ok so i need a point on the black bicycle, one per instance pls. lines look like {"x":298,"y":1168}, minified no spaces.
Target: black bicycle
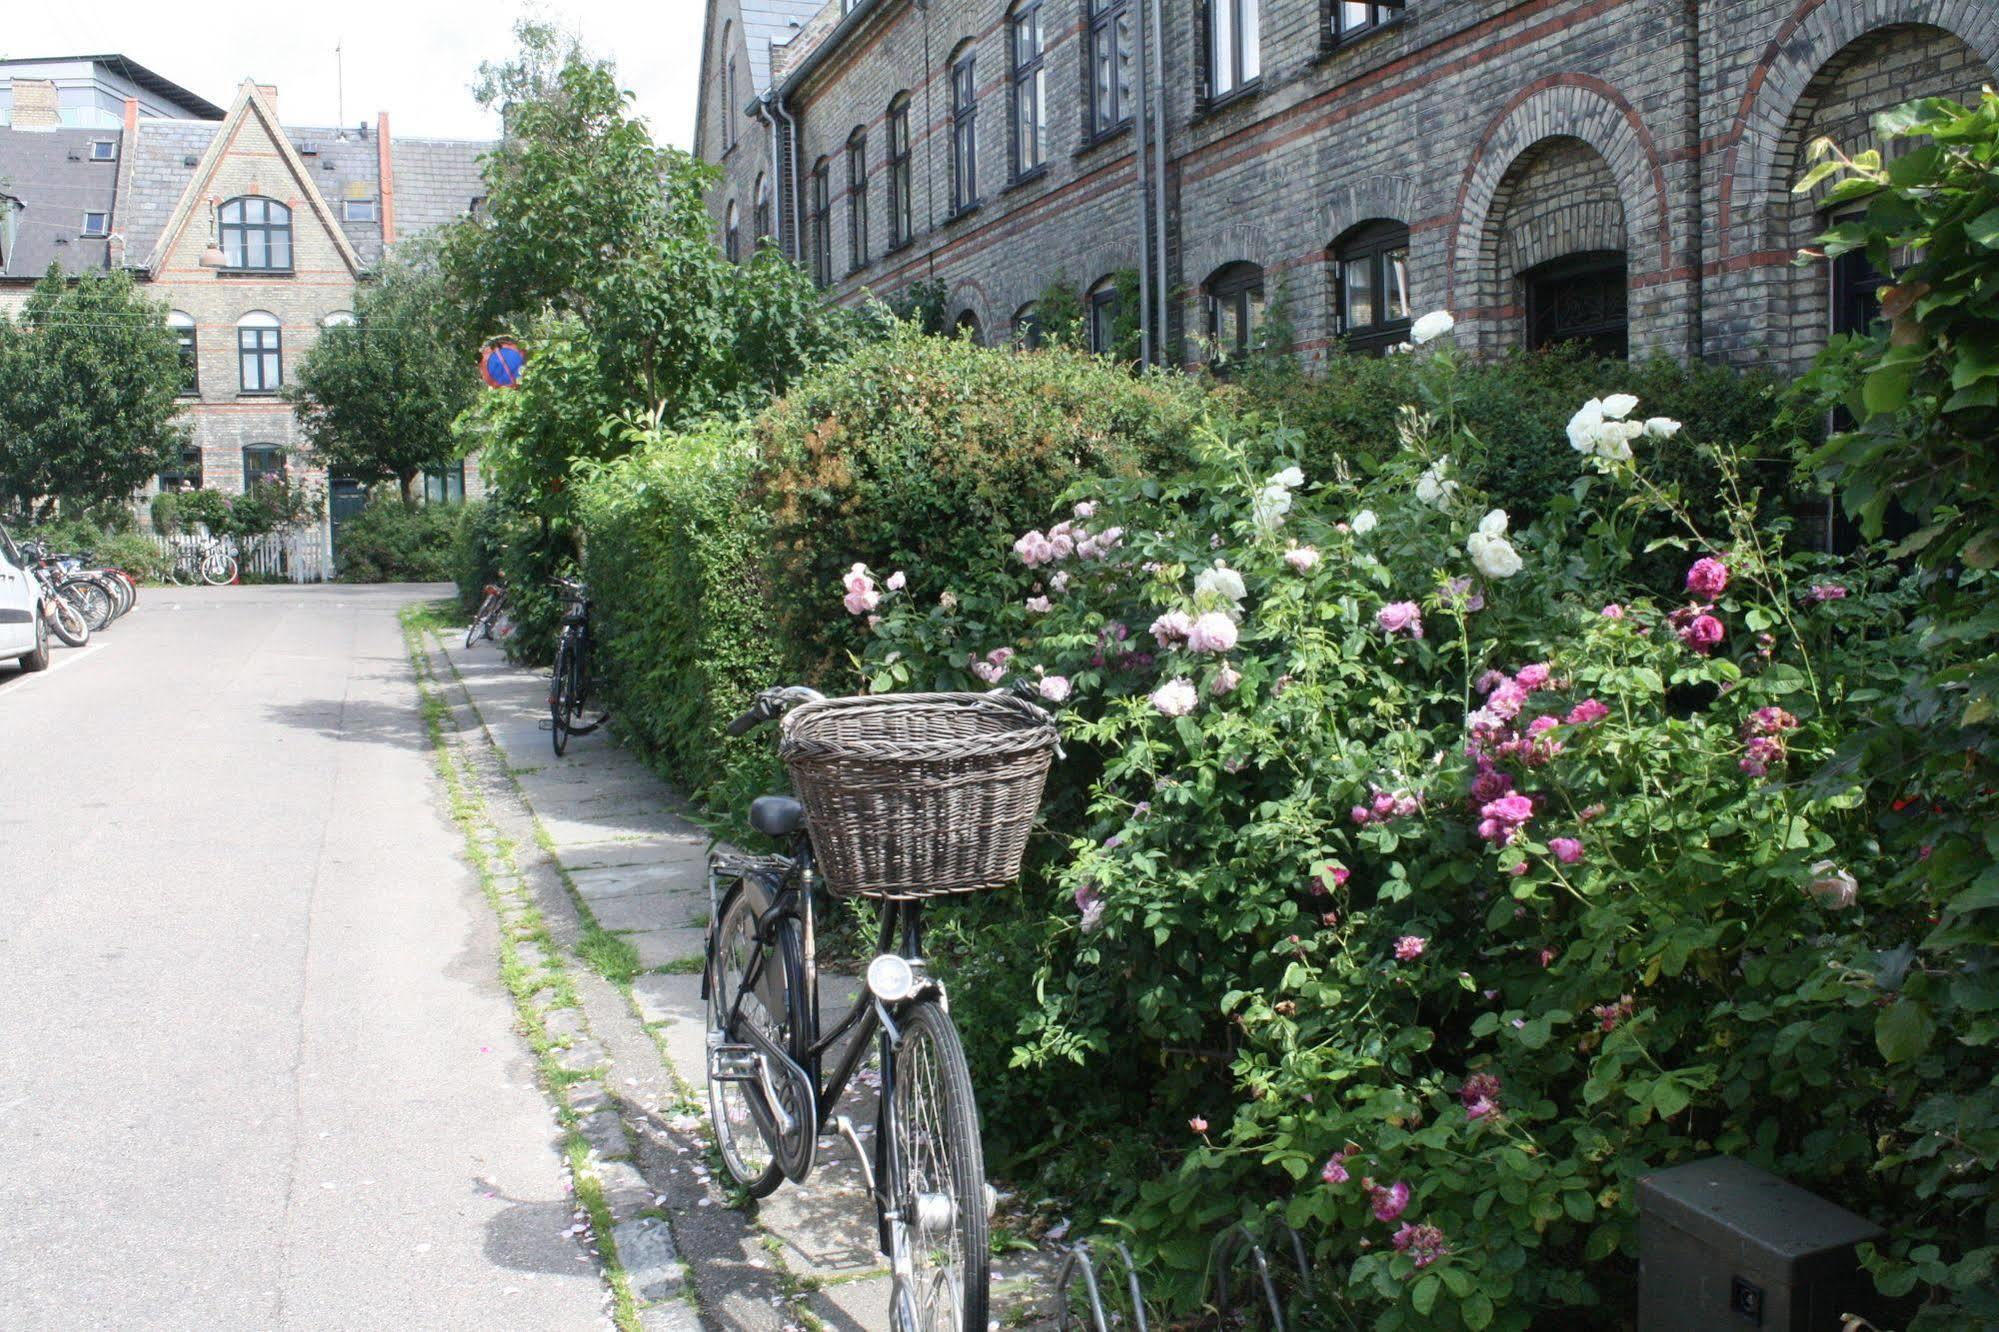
{"x":769,"y":1096}
{"x":491,"y":618}
{"x":569,"y":686}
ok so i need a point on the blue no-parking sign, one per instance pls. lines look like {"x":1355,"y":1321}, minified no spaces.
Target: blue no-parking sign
{"x":500,"y":364}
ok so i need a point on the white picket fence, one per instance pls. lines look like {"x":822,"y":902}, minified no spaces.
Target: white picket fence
{"x":298,"y":554}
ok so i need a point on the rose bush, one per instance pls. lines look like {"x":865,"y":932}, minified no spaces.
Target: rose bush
{"x":1450,"y":881}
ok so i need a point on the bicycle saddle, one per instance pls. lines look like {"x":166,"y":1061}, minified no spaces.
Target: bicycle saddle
{"x":776,"y":816}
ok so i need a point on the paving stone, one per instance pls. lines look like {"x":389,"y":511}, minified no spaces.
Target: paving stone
{"x":684,"y":874}
{"x":651,"y":911}
{"x":670,"y":998}
{"x":625,"y":1190}
{"x":651,"y":1260}
{"x":605,"y":1133}
{"x":564,"y":1024}
{"x":588,"y":1097}
{"x":853,"y":1306}
{"x":657,"y":948}
{"x":580,"y":1057}
{"x":651,"y":851}
{"x":674,"y":1316}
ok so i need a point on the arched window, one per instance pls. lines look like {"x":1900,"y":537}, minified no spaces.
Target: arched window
{"x":1110,"y":65}
{"x":1027,"y":327}
{"x":1030,"y":88}
{"x":760,"y":212}
{"x":857,"y":199}
{"x":732,"y":240}
{"x":964,"y":132}
{"x":1579,"y":298}
{"x":1105,"y":312}
{"x":822,"y":223}
{"x":260,"y":353}
{"x":337,"y":319}
{"x":1235,"y":46}
{"x":185,"y":475}
{"x":1234,"y":295}
{"x":729,"y":107}
{"x":257,"y":235}
{"x":1371,"y":287}
{"x":968,"y":326}
{"x":182,"y":324}
{"x":901,"y":203}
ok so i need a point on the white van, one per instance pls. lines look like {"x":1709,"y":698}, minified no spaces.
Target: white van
{"x":24,"y":635}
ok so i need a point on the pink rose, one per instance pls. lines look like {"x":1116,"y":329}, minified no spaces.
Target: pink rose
{"x":1039,"y":605}
{"x":1587,"y":713}
{"x":1533,"y":677}
{"x":1390,"y":1202}
{"x":1410,"y":947}
{"x":1301,"y":558}
{"x":1702,"y":633}
{"x":860,"y":603}
{"x":1708,"y":578}
{"x":1212,"y":632}
{"x":897,"y":581}
{"x":1567,"y":849}
{"x":1400,"y":617}
{"x":1054,"y":688}
{"x":1821,"y":592}
{"x":1225,"y":682}
{"x":1172,"y":627}
{"x":1198,"y":1124}
{"x":1613,"y":611}
{"x":1335,"y":1171}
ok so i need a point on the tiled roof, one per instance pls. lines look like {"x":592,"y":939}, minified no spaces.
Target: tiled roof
{"x":161,"y":165}
{"x":436,"y":182}
{"x":51,"y":173}
{"x":768,"y":22}
{"x":344,"y":169}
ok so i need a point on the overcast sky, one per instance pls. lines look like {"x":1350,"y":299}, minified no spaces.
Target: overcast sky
{"x":414,"y":59}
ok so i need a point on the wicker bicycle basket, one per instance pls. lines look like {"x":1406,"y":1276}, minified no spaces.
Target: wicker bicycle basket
{"x":918,"y":795}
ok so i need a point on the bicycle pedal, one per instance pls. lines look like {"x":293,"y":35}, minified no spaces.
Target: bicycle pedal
{"x":733,"y":1063}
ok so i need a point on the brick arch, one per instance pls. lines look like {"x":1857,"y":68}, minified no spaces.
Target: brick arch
{"x":1384,"y":198}
{"x":1573,"y":106}
{"x":1813,"y":38}
{"x":1226,"y":245}
{"x":968,"y":294}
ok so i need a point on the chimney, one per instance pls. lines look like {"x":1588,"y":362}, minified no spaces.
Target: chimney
{"x":270,"y":91}
{"x":385,"y":158}
{"x":35,"y":104}
{"x":131,"y":120}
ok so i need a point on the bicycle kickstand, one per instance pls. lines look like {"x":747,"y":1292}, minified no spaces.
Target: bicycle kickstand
{"x":847,"y":1131}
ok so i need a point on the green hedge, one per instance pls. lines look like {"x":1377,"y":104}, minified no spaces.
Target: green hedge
{"x":675,"y":562}
{"x":128,"y":550}
{"x":933,"y":454}
{"x":391,"y":542}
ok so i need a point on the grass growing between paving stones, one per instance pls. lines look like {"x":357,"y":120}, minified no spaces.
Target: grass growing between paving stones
{"x":530,"y":961}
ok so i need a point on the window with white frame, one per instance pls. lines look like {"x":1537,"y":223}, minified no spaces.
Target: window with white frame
{"x":260,"y":353}
{"x":1235,"y":46}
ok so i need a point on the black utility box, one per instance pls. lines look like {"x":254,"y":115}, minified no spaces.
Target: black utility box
{"x":1725,"y":1246}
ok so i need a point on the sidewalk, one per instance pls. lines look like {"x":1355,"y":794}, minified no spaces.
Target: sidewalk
{"x":637,"y":866}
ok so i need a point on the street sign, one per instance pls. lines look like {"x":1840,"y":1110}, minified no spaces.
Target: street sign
{"x":500,"y":364}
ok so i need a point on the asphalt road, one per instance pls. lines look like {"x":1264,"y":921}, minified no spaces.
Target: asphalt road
{"x":256,"y":1068}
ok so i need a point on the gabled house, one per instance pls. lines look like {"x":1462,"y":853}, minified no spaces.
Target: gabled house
{"x":255,"y":235}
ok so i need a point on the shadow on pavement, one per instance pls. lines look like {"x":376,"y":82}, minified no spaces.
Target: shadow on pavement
{"x":353,"y":720}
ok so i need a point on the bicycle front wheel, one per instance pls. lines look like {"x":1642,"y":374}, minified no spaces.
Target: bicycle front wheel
{"x":90,"y":597}
{"x":558,"y":698}
{"x":218,"y":568}
{"x":66,"y":620}
{"x":938,"y":1180}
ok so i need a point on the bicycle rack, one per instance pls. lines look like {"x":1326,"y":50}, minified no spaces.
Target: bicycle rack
{"x":1078,"y":1260}
{"x":1233,"y":1247}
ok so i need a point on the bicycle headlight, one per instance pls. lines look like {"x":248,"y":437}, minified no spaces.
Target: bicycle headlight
{"x":891,"y":979}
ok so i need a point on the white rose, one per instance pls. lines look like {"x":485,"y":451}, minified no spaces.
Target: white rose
{"x":1290,"y":478}
{"x":1585,"y":425}
{"x":1494,"y":523}
{"x":1272,"y":503}
{"x":1220,"y":581}
{"x":1432,"y":325}
{"x":1619,"y":405}
{"x":1493,"y":556}
{"x":1175,"y":698}
{"x":1364,"y":522}
{"x":1662,"y":427}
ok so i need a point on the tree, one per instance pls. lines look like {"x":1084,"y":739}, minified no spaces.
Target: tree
{"x":376,"y":398}
{"x":92,"y":375}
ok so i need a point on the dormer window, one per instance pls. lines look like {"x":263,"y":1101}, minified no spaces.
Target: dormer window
{"x":96,"y":224}
{"x":103,"y":150}
{"x":357,"y":210}
{"x":257,"y":235}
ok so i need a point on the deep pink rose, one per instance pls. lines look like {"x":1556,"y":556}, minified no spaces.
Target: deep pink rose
{"x":1708,"y":578}
{"x":1702,"y":633}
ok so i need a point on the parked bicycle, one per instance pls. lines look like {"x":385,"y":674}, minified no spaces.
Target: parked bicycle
{"x":901,"y":798}
{"x":569,"y":686}
{"x":207,"y":561}
{"x":491,"y":619}
{"x":101,"y":594}
{"x":59,"y":610}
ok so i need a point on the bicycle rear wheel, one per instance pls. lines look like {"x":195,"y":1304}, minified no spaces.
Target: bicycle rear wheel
{"x":937,"y":1181}
{"x":775,"y":1006}
{"x":91,"y":598}
{"x":558,"y":698}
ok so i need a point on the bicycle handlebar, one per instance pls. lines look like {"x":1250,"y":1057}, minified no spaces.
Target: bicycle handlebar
{"x":772,"y":704}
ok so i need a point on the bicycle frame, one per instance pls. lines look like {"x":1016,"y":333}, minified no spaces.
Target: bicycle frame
{"x":901,"y":929}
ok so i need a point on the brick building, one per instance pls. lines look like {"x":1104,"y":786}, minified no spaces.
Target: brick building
{"x":1615,"y":172}
{"x":254,"y":234}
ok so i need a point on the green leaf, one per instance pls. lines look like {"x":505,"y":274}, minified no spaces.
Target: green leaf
{"x":1887,"y":388}
{"x":1423,"y":1298}
{"x":1984,"y":229}
{"x":1477,"y":1311}
{"x":1902,"y":1031}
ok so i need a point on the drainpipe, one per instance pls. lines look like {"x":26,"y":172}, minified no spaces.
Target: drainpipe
{"x":790,"y":177}
{"x":769,"y":115}
{"x":1159,"y":174}
{"x":1144,"y":194}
